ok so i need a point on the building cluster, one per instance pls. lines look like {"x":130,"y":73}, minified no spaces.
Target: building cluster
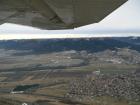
{"x":122,"y":86}
{"x":119,"y":56}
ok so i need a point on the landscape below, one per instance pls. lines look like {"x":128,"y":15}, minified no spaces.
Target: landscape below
{"x":98,"y":71}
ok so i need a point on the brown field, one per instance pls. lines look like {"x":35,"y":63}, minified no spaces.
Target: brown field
{"x":53,"y":73}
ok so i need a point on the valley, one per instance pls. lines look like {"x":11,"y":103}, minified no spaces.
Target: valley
{"x":38,"y":76}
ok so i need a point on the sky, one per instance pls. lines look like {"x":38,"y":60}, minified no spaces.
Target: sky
{"x":125,"y":21}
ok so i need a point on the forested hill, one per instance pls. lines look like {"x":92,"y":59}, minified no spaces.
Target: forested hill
{"x":56,"y":45}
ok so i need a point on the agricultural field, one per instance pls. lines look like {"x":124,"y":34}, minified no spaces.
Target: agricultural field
{"x":70,"y":77}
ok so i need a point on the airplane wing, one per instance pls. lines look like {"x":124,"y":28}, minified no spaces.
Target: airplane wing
{"x":56,"y":14}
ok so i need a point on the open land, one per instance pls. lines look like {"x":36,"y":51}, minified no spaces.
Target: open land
{"x":70,"y":77}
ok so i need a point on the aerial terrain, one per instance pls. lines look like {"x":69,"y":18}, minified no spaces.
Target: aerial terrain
{"x":90,"y":71}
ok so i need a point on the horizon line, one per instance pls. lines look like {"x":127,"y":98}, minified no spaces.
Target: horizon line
{"x":60,"y":36}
